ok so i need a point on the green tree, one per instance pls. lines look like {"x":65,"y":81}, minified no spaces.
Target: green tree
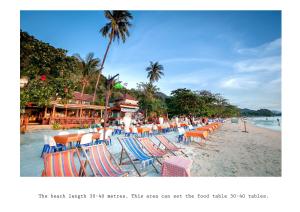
{"x":183,"y":102}
{"x":117,"y":28}
{"x":155,"y":71}
{"x":87,"y":66}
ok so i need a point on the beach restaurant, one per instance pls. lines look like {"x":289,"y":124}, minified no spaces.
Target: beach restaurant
{"x":78,"y":110}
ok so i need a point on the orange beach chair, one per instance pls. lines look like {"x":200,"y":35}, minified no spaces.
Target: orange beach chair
{"x":62,"y":164}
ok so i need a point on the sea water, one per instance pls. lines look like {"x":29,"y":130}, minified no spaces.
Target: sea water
{"x":273,"y":123}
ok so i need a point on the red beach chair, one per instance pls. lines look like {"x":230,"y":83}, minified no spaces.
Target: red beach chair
{"x":62,"y":164}
{"x":101,"y":161}
{"x":169,"y":145}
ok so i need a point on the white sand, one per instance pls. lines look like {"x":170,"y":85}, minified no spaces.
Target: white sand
{"x":231,"y":152}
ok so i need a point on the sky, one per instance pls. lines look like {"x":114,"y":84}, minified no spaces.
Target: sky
{"x":234,"y":53}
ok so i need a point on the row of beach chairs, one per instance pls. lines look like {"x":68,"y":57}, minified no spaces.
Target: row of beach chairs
{"x":100,"y":162}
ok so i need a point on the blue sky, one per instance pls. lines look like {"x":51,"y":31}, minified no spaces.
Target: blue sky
{"x":235,"y":53}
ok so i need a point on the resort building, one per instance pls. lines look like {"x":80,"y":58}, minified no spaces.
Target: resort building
{"x":78,"y":110}
{"x":126,"y":105}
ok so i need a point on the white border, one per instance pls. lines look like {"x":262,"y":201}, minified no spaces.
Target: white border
{"x":20,"y":193}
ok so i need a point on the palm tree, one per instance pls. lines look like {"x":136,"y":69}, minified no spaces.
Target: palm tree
{"x":116,"y":29}
{"x":155,"y":71}
{"x":88,"y":66}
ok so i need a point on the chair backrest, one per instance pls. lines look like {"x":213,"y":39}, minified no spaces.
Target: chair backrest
{"x":49,"y":140}
{"x":63,"y":133}
{"x":100,"y":161}
{"x":86,"y":139}
{"x":60,"y":164}
{"x":151,"y":147}
{"x":80,"y":131}
{"x":134,"y":129}
{"x":108,"y":133}
{"x":134,"y":149}
{"x":126,"y":129}
{"x":166,"y":142}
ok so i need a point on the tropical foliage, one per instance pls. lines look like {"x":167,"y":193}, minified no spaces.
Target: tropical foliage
{"x":116,"y":28}
{"x":155,"y":71}
{"x":51,"y":73}
{"x":199,"y":103}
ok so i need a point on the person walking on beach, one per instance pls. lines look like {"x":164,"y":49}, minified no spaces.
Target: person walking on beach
{"x":278,"y":122}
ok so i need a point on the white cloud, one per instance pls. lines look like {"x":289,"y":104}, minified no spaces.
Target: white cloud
{"x":256,"y":65}
{"x":196,"y":60}
{"x":270,"y":48}
{"x":239,"y":83}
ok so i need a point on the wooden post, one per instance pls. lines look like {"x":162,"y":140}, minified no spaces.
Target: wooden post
{"x":53,"y":111}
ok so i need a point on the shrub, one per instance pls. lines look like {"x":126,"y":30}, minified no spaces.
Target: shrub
{"x":56,"y":126}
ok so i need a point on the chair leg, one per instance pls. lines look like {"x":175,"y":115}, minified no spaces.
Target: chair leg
{"x":44,"y":150}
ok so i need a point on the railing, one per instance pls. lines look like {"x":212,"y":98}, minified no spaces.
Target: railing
{"x":74,"y":120}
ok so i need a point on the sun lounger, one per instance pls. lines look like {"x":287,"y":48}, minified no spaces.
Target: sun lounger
{"x":62,"y":164}
{"x":101,"y":161}
{"x":135,"y":153}
{"x":169,"y":145}
{"x":152,"y":149}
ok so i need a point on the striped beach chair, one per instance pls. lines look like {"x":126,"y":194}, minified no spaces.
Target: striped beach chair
{"x":62,"y":164}
{"x":152,"y":149}
{"x":101,"y":161}
{"x":135,"y":153}
{"x":169,"y":145}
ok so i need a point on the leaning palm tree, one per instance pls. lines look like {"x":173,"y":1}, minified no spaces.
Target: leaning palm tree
{"x":155,"y":71}
{"x":116,"y":29}
{"x":88,"y":66}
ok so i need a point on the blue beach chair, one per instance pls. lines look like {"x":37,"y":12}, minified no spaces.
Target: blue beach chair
{"x":135,"y":153}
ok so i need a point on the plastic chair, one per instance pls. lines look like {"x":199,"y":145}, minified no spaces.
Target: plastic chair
{"x":50,"y":145}
{"x":63,"y":133}
{"x":134,"y":131}
{"x":86,"y":140}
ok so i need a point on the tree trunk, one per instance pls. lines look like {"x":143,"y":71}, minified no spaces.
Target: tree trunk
{"x":45,"y":112}
{"x":107,"y":96}
{"x":102,"y":64}
{"x":83,"y":87}
{"x":53,"y":111}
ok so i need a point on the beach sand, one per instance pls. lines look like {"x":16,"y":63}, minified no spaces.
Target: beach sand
{"x":230,"y":152}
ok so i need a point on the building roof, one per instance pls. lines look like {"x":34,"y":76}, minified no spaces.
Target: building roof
{"x":127,"y":96}
{"x":85,"y":97}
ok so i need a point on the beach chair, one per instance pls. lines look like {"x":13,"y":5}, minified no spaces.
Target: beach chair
{"x":62,"y":164}
{"x":51,"y":146}
{"x":135,"y":153}
{"x":135,"y":131}
{"x":191,"y":127}
{"x":86,"y":140}
{"x":127,"y":131}
{"x":155,"y":129}
{"x":101,"y":161}
{"x":169,"y":145}
{"x":152,"y":149}
{"x":63,"y":133}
